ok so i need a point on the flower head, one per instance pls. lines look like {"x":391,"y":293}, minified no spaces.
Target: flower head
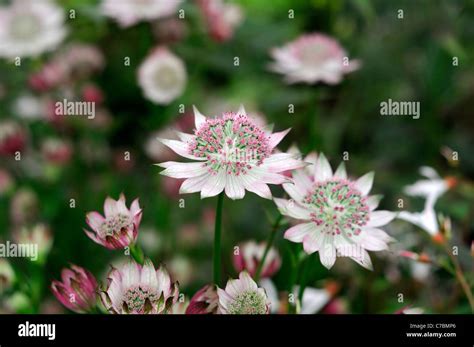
{"x":243,"y":296}
{"x":250,"y":256}
{"x":130,"y":12}
{"x":29,"y":28}
{"x":312,"y":58}
{"x":221,"y":18}
{"x":232,"y":154}
{"x":431,"y":189}
{"x":162,"y":76}
{"x":12,"y":137}
{"x":136,"y":289}
{"x":118,"y":227}
{"x":338,"y":215}
{"x":205,"y":301}
{"x":76,"y":290}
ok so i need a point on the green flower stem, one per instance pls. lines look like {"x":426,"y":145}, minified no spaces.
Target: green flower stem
{"x":270,"y":240}
{"x":137,"y":253}
{"x":303,"y":280}
{"x":217,"y":240}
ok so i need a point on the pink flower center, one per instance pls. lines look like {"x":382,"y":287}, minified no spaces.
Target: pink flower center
{"x":140,"y":299}
{"x":116,"y":225}
{"x":338,"y":207}
{"x":233,"y":143}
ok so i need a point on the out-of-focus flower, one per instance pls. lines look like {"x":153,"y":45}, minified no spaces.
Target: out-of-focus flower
{"x":181,"y":267}
{"x":92,"y":93}
{"x":410,"y":310}
{"x":180,"y":307}
{"x":56,"y":151}
{"x":335,"y":306}
{"x":136,"y":289}
{"x":29,"y":107}
{"x":422,"y":258}
{"x":7,"y":275}
{"x":250,"y":255}
{"x":80,"y":60}
{"x":205,"y":301}
{"x":155,"y":149}
{"x":221,"y":18}
{"x":170,"y":30}
{"x":30,"y":27}
{"x":430,"y":189}
{"x":170,"y":186}
{"x":124,"y":160}
{"x":76,"y":290}
{"x":50,"y":76}
{"x":6,"y":182}
{"x":314,"y":299}
{"x":130,"y":12}
{"x":312,"y":58}
{"x":151,"y":240}
{"x":231,"y":154}
{"x":12,"y":137}
{"x":24,"y":206}
{"x":339,"y":217}
{"x":118,"y":227}
{"x":243,"y":296}
{"x":162,"y":76}
{"x":39,"y":235}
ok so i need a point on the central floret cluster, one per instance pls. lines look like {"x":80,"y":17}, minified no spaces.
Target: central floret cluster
{"x":233,"y":142}
{"x":140,"y":299}
{"x":250,"y":302}
{"x":115,"y":225}
{"x":338,"y":207}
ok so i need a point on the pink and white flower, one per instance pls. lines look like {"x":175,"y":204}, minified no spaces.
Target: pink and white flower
{"x":77,"y":289}
{"x":118,"y":227}
{"x":338,"y":215}
{"x":30,"y":27}
{"x":205,"y":301}
{"x":231,"y":154}
{"x":312,"y":58}
{"x":130,"y":12}
{"x":250,"y":255}
{"x":431,"y":189}
{"x":12,"y":137}
{"x":243,"y":296}
{"x":222,"y":18}
{"x":162,"y":76}
{"x":136,"y":289}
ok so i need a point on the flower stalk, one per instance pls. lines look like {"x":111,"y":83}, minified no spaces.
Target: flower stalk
{"x":217,"y":240}
{"x":269,"y":244}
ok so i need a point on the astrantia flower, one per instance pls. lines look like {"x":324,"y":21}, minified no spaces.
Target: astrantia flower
{"x":76,"y":290}
{"x":243,"y":296}
{"x":136,"y":289}
{"x":30,"y":27}
{"x":250,"y":255}
{"x":431,"y":189}
{"x":119,"y":227}
{"x":162,"y":76}
{"x":130,"y":12}
{"x":222,"y":18}
{"x":12,"y":137}
{"x":338,"y":215}
{"x":312,"y":58}
{"x":232,"y":154}
{"x":205,"y":301}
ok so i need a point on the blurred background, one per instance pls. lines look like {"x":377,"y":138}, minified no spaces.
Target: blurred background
{"x":69,"y":165}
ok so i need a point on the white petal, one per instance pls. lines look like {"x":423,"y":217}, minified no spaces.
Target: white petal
{"x":194,"y":184}
{"x":327,"y":253}
{"x":298,"y":232}
{"x":379,"y":218}
{"x":363,"y":259}
{"x":199,"y":118}
{"x":215,"y":185}
{"x":241,"y":110}
{"x":429,"y":172}
{"x":341,"y":171}
{"x":373,"y":201}
{"x":183,"y":170}
{"x":291,"y":209}
{"x":234,"y":187}
{"x":276,"y":138}
{"x":180,"y":148}
{"x":261,"y":189}
{"x":280,"y":162}
{"x":185,"y":137}
{"x":312,"y":241}
{"x":364,"y":183}
{"x":371,"y":242}
{"x":148,"y":274}
{"x":323,"y":169}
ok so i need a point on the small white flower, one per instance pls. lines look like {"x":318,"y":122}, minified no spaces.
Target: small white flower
{"x":130,"y":12}
{"x":312,"y":58}
{"x":162,"y":76}
{"x":29,"y":28}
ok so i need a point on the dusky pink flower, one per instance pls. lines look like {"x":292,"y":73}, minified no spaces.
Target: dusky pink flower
{"x":205,"y":301}
{"x":221,"y":17}
{"x":312,"y":58}
{"x":337,"y":214}
{"x":232,"y":154}
{"x":30,"y":27}
{"x":243,"y":296}
{"x":162,"y":76}
{"x":250,"y":255}
{"x":136,"y":289}
{"x":92,"y":93}
{"x":56,"y":151}
{"x":118,"y":227}
{"x":130,"y":12}
{"x":77,"y":289}
{"x":12,"y":137}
